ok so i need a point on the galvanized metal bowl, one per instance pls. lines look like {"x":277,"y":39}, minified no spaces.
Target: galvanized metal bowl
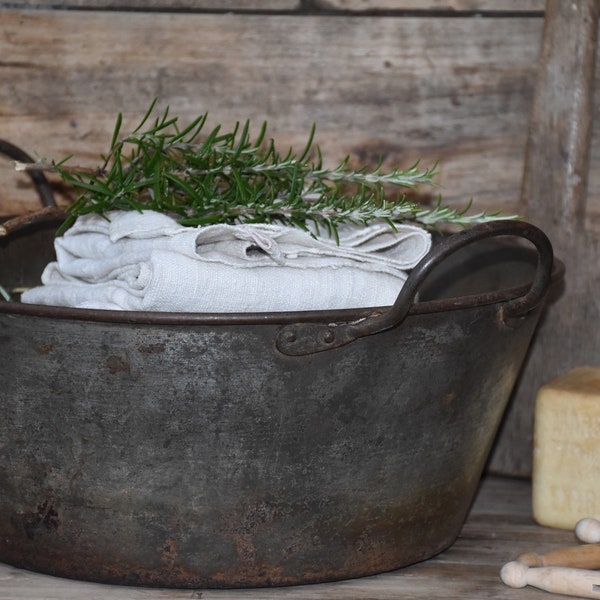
{"x":240,"y":450}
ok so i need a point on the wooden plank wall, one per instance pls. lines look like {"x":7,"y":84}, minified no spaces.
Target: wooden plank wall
{"x":436,"y":80}
{"x":377,"y":78}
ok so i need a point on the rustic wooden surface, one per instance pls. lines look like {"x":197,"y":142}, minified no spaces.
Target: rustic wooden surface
{"x":179,"y":5}
{"x":497,"y":6}
{"x":499,"y":528}
{"x":440,"y":5}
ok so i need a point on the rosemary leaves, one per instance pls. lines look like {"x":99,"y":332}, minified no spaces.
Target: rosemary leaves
{"x":228,"y":177}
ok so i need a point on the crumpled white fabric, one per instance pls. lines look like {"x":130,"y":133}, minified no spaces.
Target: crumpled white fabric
{"x":147,"y":261}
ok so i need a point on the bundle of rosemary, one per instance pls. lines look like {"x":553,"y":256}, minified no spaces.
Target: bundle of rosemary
{"x":182,"y":180}
{"x":227,"y":177}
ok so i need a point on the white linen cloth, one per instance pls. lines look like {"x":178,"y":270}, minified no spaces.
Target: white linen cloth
{"x":147,"y":261}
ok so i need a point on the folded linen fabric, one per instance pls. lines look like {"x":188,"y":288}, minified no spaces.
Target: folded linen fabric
{"x":147,"y":261}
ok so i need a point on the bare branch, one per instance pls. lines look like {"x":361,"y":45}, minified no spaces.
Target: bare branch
{"x":39,"y":216}
{"x":41,"y":166}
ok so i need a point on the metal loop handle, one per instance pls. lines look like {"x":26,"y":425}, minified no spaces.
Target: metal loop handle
{"x":306,"y":338}
{"x":43,"y":188}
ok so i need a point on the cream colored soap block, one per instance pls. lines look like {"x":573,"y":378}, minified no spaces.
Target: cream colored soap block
{"x":566,"y":455}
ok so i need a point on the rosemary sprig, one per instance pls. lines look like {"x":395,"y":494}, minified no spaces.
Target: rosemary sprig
{"x":228,"y":177}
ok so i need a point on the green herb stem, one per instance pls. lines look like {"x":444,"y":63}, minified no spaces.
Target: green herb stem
{"x":229,"y":177}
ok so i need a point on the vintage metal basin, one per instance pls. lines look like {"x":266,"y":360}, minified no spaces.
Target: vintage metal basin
{"x":241,"y":450}
{"x":196,"y":450}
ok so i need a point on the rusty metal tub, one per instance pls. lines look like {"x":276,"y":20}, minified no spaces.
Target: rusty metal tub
{"x":241,"y":450}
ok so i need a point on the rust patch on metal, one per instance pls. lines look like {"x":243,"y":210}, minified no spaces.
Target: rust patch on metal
{"x":169,"y":553}
{"x":78,"y":471}
{"x":43,"y":349}
{"x":372,"y":543}
{"x":250,"y":523}
{"x":449,"y":398}
{"x":117,"y":364}
{"x":104,"y":570}
{"x":251,"y":578}
{"x":45,"y":518}
{"x":150,"y":348}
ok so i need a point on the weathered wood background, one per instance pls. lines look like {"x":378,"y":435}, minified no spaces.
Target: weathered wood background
{"x":454,"y":87}
{"x":438,"y":80}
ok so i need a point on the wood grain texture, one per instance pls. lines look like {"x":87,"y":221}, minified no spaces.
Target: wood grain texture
{"x":497,"y":6}
{"x":165,"y":5}
{"x":499,"y":528}
{"x":455,"y":90}
{"x":582,"y":556}
{"x":515,"y":6}
{"x":555,"y":197}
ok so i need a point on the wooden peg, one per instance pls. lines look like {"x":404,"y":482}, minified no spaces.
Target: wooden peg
{"x":588,"y":530}
{"x":557,"y":580}
{"x":585,"y":556}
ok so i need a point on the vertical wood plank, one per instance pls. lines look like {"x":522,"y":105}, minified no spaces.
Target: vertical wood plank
{"x":554,"y":195}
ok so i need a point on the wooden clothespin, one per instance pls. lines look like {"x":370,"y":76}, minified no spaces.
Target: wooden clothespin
{"x":569,"y":570}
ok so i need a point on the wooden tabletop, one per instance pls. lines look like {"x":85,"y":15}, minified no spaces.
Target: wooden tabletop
{"x":499,"y":528}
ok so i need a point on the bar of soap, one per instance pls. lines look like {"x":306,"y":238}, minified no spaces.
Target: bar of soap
{"x":566,"y":453}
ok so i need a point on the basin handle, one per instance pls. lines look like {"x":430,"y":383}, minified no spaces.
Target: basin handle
{"x":307,"y":338}
{"x":42,"y":186}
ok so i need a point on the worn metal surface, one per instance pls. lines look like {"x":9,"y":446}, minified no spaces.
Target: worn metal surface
{"x":304,"y":338}
{"x":188,"y":451}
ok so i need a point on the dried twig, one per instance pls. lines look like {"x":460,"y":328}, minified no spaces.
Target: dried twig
{"x":39,"y":216}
